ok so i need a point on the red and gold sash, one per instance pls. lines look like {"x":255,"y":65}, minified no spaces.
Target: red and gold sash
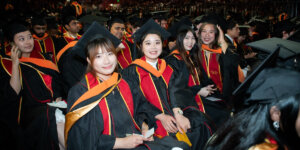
{"x":148,"y":86}
{"x":127,"y":36}
{"x":45,"y":78}
{"x":76,"y":114}
{"x":192,"y":81}
{"x":124,"y":56}
{"x":44,"y":45}
{"x":69,"y":38}
{"x":211,"y":65}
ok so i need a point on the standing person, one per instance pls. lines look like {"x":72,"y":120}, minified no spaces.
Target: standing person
{"x":29,"y":84}
{"x":270,"y":118}
{"x":162,"y":87}
{"x":111,"y":113}
{"x":232,"y":33}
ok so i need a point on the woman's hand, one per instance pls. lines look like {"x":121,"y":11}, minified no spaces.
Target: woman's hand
{"x":15,"y":55}
{"x":182,"y":123}
{"x":206,"y":91}
{"x":221,"y":40}
{"x":58,"y":99}
{"x":128,"y":142}
{"x":168,"y":122}
{"x":145,"y":129}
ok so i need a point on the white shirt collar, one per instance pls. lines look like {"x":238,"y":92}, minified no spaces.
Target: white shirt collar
{"x":231,"y":40}
{"x":153,"y":64}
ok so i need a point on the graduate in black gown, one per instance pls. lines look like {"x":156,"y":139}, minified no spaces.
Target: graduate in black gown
{"x":163,"y":88}
{"x":28,"y":85}
{"x":104,"y":112}
{"x":184,"y":59}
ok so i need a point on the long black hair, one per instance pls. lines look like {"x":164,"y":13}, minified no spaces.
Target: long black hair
{"x":252,"y":125}
{"x":190,"y":63}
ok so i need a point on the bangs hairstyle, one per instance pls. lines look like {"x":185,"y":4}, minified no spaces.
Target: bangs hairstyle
{"x":141,"y":40}
{"x":182,"y":51}
{"x":215,"y":42}
{"x":92,"y":47}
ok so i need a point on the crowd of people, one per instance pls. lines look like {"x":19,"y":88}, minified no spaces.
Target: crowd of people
{"x":79,"y":76}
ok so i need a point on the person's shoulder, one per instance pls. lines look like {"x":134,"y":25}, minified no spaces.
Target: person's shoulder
{"x":76,"y":91}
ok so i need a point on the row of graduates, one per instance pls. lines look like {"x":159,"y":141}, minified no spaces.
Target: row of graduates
{"x":161,"y":90}
{"x":47,"y":41}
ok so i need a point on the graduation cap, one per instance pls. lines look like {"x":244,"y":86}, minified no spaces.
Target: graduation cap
{"x":240,"y":92}
{"x":288,"y":48}
{"x":14,"y":29}
{"x":215,"y":19}
{"x":273,"y":84}
{"x":176,"y":27}
{"x":95,"y":29}
{"x":150,"y":25}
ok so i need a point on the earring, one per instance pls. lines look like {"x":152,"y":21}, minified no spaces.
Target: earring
{"x":276,"y":125}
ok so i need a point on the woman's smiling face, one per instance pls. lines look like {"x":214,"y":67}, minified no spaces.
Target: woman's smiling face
{"x":152,"y":47}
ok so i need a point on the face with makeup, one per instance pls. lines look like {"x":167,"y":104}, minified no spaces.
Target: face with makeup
{"x":189,"y":41}
{"x":152,"y":47}
{"x":103,"y":63}
{"x":24,"y":41}
{"x":208,"y":34}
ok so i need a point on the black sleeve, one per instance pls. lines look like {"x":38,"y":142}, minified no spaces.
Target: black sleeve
{"x":229,"y":67}
{"x":86,"y":133}
{"x":72,"y":69}
{"x":179,"y":92}
{"x":58,"y":87}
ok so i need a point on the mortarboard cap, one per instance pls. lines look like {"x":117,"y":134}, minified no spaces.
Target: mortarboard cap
{"x":176,"y":27}
{"x":273,"y":84}
{"x":240,"y":92}
{"x":94,"y":30}
{"x":287,"y":48}
{"x":150,"y":25}
{"x":15,"y":29}
{"x":215,"y":19}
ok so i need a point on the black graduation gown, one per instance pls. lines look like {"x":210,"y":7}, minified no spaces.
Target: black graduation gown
{"x":72,"y":68}
{"x":91,"y":131}
{"x":37,"y":119}
{"x":172,"y":93}
{"x":216,"y":111}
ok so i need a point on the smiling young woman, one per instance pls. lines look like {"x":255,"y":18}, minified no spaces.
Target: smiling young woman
{"x":112,"y":114}
{"x":28,"y":85}
{"x":162,"y":86}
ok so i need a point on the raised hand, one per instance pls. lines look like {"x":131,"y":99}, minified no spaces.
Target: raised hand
{"x":221,"y":40}
{"x":15,"y":55}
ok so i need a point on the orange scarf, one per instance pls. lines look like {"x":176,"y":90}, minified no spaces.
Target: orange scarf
{"x":205,"y":47}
